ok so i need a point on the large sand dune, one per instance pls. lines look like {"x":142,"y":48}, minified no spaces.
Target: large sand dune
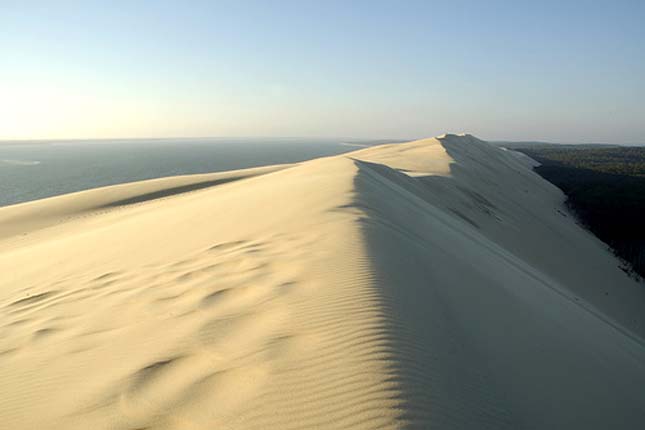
{"x":433,"y":284}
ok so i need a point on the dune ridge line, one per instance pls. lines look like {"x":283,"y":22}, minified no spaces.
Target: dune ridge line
{"x":437,"y":283}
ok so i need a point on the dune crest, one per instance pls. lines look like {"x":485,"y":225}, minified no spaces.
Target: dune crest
{"x":432,"y":284}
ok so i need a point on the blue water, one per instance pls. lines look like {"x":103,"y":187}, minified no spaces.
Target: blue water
{"x":35,"y":170}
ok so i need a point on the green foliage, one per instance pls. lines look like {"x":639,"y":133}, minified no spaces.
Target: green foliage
{"x":620,"y":161}
{"x":606,"y":189}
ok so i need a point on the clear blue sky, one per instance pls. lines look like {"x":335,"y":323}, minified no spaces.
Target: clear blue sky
{"x":554,"y":70}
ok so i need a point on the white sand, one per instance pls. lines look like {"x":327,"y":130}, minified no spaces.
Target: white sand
{"x":433,"y":284}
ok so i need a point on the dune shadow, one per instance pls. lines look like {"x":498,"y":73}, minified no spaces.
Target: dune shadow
{"x":466,"y":348}
{"x":440,"y":374}
{"x":169,"y":192}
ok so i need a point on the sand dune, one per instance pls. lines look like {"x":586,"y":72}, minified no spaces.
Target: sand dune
{"x":433,"y":284}
{"x":31,"y":216}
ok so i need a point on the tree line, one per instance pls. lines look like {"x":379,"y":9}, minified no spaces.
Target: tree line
{"x":605,"y":188}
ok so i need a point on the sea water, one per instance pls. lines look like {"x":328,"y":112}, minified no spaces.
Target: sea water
{"x":38,"y":169}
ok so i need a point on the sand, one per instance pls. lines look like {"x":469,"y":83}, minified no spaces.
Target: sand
{"x":433,"y":284}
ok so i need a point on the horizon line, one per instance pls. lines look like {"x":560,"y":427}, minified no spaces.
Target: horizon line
{"x":392,"y":139}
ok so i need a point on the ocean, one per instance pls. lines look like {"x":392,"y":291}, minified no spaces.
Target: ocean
{"x":39,"y":169}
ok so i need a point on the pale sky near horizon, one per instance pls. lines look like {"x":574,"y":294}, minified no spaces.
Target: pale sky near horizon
{"x":566,"y":71}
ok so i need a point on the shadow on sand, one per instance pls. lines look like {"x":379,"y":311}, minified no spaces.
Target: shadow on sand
{"x":471,"y":343}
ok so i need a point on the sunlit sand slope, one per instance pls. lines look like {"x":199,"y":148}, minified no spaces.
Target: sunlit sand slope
{"x":433,"y":284}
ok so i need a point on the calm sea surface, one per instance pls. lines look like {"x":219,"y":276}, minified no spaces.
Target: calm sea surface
{"x":35,"y":170}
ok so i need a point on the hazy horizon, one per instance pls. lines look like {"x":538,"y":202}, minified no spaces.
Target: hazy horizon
{"x":303,"y":138}
{"x":558,"y":72}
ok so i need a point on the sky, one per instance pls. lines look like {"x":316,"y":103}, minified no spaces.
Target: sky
{"x":564,"y":71}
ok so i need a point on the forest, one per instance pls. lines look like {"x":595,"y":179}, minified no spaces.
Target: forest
{"x":605,"y":188}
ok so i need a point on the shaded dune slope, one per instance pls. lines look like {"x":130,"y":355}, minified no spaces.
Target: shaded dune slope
{"x":432,"y":284}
